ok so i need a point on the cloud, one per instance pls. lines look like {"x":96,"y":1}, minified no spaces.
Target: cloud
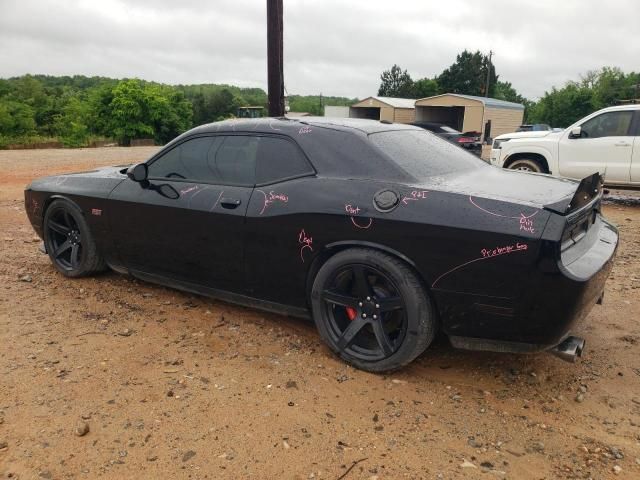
{"x":331,"y":46}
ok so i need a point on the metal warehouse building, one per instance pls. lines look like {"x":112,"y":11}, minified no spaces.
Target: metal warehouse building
{"x":467,"y":113}
{"x":399,"y":110}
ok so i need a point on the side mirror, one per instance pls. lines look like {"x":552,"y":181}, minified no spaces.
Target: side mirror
{"x":576,"y":132}
{"x":138,"y":173}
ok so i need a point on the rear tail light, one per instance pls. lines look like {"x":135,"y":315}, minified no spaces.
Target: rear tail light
{"x":466,"y":140}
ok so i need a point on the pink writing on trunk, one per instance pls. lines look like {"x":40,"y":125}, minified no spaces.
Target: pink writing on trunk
{"x":526,"y":221}
{"x":304,"y":130}
{"x":526,"y":224}
{"x":305,"y":242}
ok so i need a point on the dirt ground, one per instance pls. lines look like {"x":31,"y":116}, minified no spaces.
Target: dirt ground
{"x":172,"y":385}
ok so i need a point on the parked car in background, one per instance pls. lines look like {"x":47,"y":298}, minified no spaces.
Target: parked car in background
{"x":468,"y":140}
{"x":607,"y":141}
{"x":536,"y":127}
{"x":384,"y":234}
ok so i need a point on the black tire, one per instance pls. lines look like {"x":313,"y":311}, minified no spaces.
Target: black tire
{"x":68,"y":241}
{"x":527,"y":165}
{"x":372,"y":310}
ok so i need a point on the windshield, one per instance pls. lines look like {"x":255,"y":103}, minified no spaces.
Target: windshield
{"x":422,"y":154}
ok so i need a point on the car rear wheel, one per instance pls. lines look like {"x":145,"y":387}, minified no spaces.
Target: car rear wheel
{"x":68,"y":241}
{"x":526,"y":165}
{"x":372,"y":310}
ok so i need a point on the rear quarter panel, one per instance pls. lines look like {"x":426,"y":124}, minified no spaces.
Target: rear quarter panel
{"x":456,"y":243}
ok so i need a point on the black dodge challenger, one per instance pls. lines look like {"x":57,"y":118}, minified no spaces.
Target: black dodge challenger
{"x":384,"y":234}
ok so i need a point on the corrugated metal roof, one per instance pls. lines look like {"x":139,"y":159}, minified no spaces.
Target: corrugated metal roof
{"x":397,"y":102}
{"x":489,"y":102}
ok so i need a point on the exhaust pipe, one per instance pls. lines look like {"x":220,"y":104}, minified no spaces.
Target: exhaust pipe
{"x":569,"y":349}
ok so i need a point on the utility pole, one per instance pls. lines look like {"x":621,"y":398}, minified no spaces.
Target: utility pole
{"x":486,"y":85}
{"x":275,"y":70}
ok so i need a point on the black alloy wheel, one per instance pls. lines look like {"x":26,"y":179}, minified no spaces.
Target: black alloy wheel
{"x":371,"y":309}
{"x":68,"y":241}
{"x":65,"y":240}
{"x":365,"y":312}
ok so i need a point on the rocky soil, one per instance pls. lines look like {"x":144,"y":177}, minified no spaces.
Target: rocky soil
{"x":109,"y":377}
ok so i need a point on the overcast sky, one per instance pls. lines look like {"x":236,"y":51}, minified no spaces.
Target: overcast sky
{"x":330,"y":46}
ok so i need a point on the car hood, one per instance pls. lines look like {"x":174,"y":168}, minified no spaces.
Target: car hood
{"x":532,"y":189}
{"x":536,"y":134}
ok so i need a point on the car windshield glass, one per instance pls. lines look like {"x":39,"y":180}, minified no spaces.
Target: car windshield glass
{"x":422,"y":154}
{"x":448,"y":129}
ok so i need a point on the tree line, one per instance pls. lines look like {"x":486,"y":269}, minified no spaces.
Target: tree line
{"x":559,"y":107}
{"x":78,"y":110}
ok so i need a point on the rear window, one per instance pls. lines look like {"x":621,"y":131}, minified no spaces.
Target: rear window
{"x":422,"y":154}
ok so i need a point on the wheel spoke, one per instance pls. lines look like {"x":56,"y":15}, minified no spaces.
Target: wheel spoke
{"x":361,"y":282}
{"x":336,"y":298}
{"x":390,"y":303}
{"x":62,"y":248}
{"x":59,"y":228}
{"x":67,"y":219}
{"x":382,"y":338}
{"x":350,"y":332}
{"x":74,"y":255}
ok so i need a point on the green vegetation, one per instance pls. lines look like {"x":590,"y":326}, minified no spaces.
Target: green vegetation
{"x":79,"y":110}
{"x":597,"y":89}
{"x":559,"y":107}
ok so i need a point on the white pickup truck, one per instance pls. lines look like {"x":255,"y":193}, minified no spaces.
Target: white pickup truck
{"x":607,"y":141}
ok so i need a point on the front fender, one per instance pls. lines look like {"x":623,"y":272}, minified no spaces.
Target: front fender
{"x":533,"y":149}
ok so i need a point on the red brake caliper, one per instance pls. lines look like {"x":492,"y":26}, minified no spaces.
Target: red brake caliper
{"x":351,"y":313}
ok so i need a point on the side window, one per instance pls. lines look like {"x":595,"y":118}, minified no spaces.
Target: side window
{"x":279,"y":159}
{"x":216,"y":159}
{"x":235,"y":161}
{"x":610,"y":124}
{"x":187,"y":160}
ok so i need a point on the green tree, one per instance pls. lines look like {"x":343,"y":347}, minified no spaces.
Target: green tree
{"x":562,"y":107}
{"x":16,"y":119}
{"x":425,"y":87}
{"x":170,"y":113}
{"x":71,"y":126}
{"x":129,"y":112}
{"x":468,"y":75}
{"x":396,"y":83}
{"x":136,"y":109}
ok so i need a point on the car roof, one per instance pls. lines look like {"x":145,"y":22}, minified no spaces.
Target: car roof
{"x":294,"y":125}
{"x":336,"y":146}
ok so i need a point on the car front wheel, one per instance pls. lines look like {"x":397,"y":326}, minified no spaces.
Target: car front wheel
{"x":526,"y":165}
{"x":68,"y":241}
{"x":372,"y":310}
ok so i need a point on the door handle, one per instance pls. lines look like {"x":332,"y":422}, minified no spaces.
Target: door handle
{"x":622,"y":144}
{"x":230,"y":202}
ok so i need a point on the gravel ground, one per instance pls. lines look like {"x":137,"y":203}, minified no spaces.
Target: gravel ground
{"x":109,"y":377}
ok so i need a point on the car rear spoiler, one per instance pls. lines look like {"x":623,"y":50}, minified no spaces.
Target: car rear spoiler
{"x":588,"y":189}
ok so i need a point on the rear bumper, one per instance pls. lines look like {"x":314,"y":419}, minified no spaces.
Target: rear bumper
{"x":551,"y":307}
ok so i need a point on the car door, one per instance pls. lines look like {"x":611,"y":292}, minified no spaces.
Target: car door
{"x":197,"y":234}
{"x":605,"y":145}
{"x":277,"y":215}
{"x":635,"y":155}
